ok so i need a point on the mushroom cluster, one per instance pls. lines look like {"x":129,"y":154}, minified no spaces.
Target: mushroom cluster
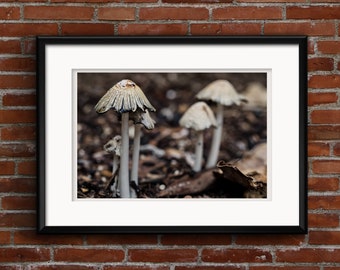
{"x":130,"y":104}
{"x":128,"y":100}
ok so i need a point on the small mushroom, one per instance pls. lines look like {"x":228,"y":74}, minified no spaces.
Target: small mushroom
{"x":124,"y":97}
{"x":139,"y":118}
{"x":114,"y":146}
{"x":223,"y":93}
{"x":198,"y":117}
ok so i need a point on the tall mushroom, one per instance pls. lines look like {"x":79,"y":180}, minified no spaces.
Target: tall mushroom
{"x":139,"y":118}
{"x":124,"y":97}
{"x":198,"y":117}
{"x":223,"y":93}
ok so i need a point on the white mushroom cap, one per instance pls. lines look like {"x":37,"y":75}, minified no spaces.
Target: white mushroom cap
{"x":256,"y":94}
{"x":114,"y":145}
{"x":198,"y":117}
{"x":221,"y":91}
{"x":124,"y":96}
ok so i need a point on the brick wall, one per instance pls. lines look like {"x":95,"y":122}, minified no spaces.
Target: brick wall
{"x":21,"y":248}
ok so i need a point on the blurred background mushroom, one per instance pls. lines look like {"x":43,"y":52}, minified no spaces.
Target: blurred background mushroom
{"x":223,"y":93}
{"x":198,"y":117}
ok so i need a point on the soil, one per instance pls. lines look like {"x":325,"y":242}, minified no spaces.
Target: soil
{"x":166,"y":156}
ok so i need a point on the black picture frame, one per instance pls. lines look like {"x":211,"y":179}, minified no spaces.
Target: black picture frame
{"x":43,"y":124}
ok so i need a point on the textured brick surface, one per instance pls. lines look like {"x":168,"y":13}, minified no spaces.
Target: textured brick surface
{"x":21,"y":248}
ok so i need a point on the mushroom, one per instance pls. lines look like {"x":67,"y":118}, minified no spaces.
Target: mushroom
{"x":223,"y":93}
{"x":124,"y":97}
{"x":114,"y":146}
{"x":139,"y":118}
{"x":198,"y":117}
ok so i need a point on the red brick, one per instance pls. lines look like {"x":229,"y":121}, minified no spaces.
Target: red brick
{"x":331,"y":47}
{"x":229,"y":267}
{"x":192,"y":239}
{"x":323,"y":220}
{"x":27,"y":168}
{"x":17,"y":81}
{"x":29,"y":46}
{"x":27,"y":29}
{"x":17,"y":64}
{"x":7,"y":167}
{"x":324,"y":1}
{"x":17,"y":116}
{"x":311,"y":45}
{"x":322,"y":98}
{"x":310,"y":255}
{"x":24,"y":254}
{"x":88,"y":255}
{"x":114,"y":14}
{"x":336,"y":149}
{"x":320,"y":64}
{"x":9,"y":13}
{"x":324,"y":202}
{"x":17,"y":150}
{"x":272,"y":1}
{"x":87,"y":29}
{"x":17,"y":220}
{"x":5,"y":237}
{"x":247,"y":13}
{"x":324,"y":132}
{"x":331,"y":268}
{"x":325,"y":117}
{"x":33,"y":1}
{"x":318,"y":149}
{"x":173,"y":13}
{"x":326,"y":166}
{"x":13,"y":133}
{"x":300,"y":28}
{"x":30,"y":237}
{"x":18,"y":203}
{"x":10,"y":46}
{"x":122,"y":239}
{"x":58,"y":266}
{"x":152,"y":29}
{"x":153,"y":267}
{"x":58,"y":12}
{"x":139,"y":1}
{"x":284,"y":268}
{"x":261,"y":240}
{"x":85,"y":1}
{"x":221,"y":255}
{"x":19,"y":100}
{"x":197,"y":1}
{"x":324,"y":81}
{"x":20,"y":185}
{"x":162,"y":255}
{"x":338,"y":66}
{"x":226,"y":28}
{"x":313,"y":12}
{"x":324,"y":237}
{"x":323,"y":184}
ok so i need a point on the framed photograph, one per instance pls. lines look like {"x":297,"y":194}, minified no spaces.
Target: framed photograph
{"x":172,"y":134}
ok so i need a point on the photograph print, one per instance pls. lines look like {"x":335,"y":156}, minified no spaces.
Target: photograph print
{"x":182,"y":135}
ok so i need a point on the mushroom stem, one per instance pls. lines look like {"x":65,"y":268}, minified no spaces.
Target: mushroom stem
{"x":198,"y":152}
{"x":124,"y":158}
{"x":135,"y":158}
{"x":116,"y":179}
{"x":217,"y":136}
